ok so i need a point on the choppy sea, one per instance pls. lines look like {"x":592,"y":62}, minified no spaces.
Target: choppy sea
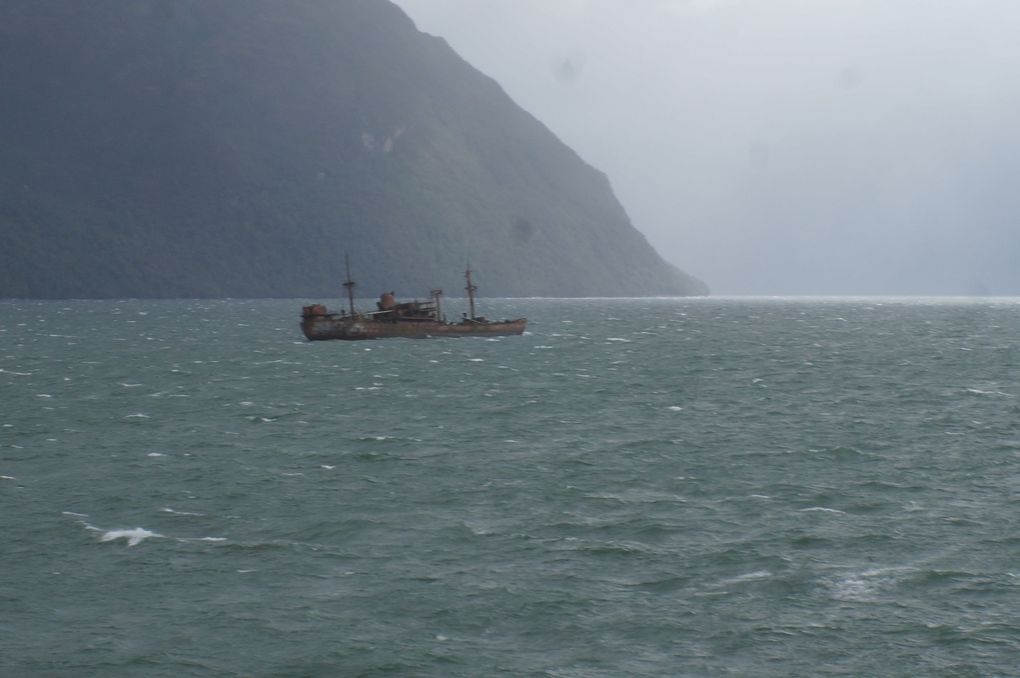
{"x":635,"y":487}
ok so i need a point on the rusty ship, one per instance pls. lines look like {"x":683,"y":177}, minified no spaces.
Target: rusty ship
{"x":408,"y":319}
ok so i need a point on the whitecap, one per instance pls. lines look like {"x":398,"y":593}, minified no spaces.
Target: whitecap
{"x":133,"y":537}
{"x":750,"y":576}
{"x":328,"y":467}
{"x":476,"y":360}
{"x":864,"y":586}
{"x":155,"y":454}
{"x":186,"y":540}
{"x":854,"y":589}
{"x":619,"y":339}
{"x":137,"y":415}
{"x":129,"y":385}
{"x":977,"y":391}
{"x":821,"y":509}
{"x":674,"y":408}
{"x":179,"y":513}
{"x":477,"y":529}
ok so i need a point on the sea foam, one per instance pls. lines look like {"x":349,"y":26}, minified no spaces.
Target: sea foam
{"x":134,"y":536}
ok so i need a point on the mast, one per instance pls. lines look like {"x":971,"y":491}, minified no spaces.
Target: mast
{"x":436,"y":294}
{"x":349,"y":284}
{"x":471,"y":289}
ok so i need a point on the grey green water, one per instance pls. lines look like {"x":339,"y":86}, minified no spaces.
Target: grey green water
{"x":650,"y":487}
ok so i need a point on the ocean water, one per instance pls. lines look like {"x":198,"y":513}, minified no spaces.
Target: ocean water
{"x":641,"y":487}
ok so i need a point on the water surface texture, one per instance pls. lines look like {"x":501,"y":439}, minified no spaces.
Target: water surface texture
{"x":647,"y":487}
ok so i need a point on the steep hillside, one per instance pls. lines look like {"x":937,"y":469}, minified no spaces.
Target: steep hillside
{"x":188,"y":148}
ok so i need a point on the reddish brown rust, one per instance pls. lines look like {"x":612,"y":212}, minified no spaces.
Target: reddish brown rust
{"x":408,"y":319}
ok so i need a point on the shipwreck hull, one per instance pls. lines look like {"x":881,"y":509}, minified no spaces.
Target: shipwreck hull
{"x":407,"y":319}
{"x":321,"y":328}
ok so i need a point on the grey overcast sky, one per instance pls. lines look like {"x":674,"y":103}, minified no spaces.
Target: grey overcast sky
{"x":781,"y":146}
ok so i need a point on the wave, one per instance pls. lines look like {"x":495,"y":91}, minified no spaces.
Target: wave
{"x":977,"y":391}
{"x":134,"y":536}
{"x":180,"y":513}
{"x":868,"y":585}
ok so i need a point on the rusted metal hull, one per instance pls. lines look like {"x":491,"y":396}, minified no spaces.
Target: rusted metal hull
{"x":408,"y":319}
{"x":323,"y":327}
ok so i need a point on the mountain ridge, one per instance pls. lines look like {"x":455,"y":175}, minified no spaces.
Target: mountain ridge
{"x":239,"y":149}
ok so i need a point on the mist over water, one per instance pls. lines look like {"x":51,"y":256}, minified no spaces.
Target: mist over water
{"x":635,"y":487}
{"x":781,"y":147}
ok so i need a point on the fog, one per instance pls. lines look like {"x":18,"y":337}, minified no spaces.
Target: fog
{"x":781,"y":146}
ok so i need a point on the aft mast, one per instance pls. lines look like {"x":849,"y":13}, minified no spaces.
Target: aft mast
{"x":349,"y":284}
{"x":437,"y":294}
{"x":471,"y":289}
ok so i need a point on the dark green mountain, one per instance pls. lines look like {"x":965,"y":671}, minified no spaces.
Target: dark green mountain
{"x":201,"y":148}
